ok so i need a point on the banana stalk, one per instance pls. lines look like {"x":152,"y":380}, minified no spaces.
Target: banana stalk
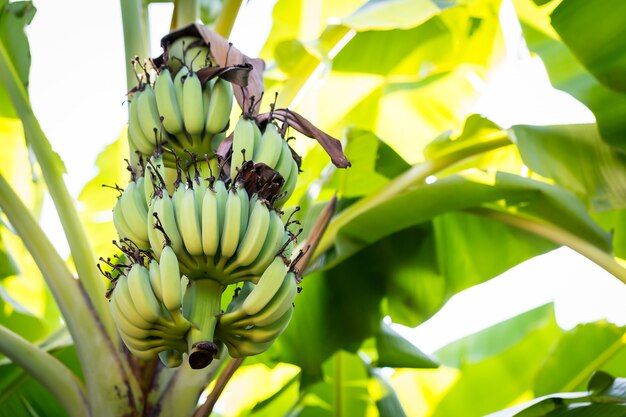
{"x":201,"y":306}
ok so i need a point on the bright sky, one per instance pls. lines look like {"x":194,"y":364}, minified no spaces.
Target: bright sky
{"x":77,"y":89}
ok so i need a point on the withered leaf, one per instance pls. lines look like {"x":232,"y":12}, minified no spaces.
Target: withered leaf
{"x":331,"y":145}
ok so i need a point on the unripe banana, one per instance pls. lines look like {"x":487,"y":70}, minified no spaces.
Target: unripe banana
{"x":244,"y":347}
{"x":278,"y":305}
{"x":135,"y":213}
{"x":142,"y":294}
{"x":271,"y":245}
{"x":155,"y":279}
{"x":164,"y":208}
{"x":123,"y":324}
{"x":193,"y":116}
{"x":122,"y":227}
{"x":167,"y":103}
{"x":266,"y":333}
{"x":268,"y":285}
{"x":121,"y":296}
{"x":220,"y":106}
{"x":210,"y":223}
{"x":283,"y":166}
{"x":182,"y":73}
{"x":245,"y":210}
{"x":148,"y":115}
{"x":270,"y":148}
{"x":232,"y":226}
{"x":181,"y":52}
{"x":243,"y":143}
{"x":171,"y":288}
{"x":254,"y":238}
{"x":189,"y":223}
{"x":171,"y":358}
{"x":142,"y":143}
{"x":289,"y":186}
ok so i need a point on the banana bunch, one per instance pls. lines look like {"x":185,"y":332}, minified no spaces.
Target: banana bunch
{"x":180,"y":113}
{"x":146,"y":306}
{"x":130,"y":213}
{"x":215,"y":231}
{"x":188,"y":51}
{"x":269,"y":148}
{"x":259,"y":313}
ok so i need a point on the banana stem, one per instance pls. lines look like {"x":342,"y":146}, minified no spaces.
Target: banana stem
{"x":52,"y":169}
{"x":226,"y":20}
{"x":205,"y":305}
{"x":557,"y":235}
{"x":417,"y":174}
{"x":136,"y":35}
{"x":93,"y":346}
{"x":47,"y":370}
{"x":186,"y":12}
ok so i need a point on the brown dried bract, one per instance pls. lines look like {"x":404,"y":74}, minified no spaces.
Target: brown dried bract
{"x":331,"y":145}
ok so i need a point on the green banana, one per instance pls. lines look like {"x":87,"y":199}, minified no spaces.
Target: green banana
{"x":254,"y":238}
{"x":142,"y":143}
{"x":167,"y":103}
{"x":270,"y":147}
{"x":266,"y":288}
{"x":179,"y":80}
{"x":232,"y":226}
{"x":171,"y":288}
{"x":122,"y":227}
{"x":142,"y":294}
{"x":164,"y":208}
{"x":220,"y":106}
{"x":267,"y":333}
{"x":135,"y":213}
{"x":189,"y":223}
{"x":245,"y":210}
{"x":121,"y":296}
{"x":148,"y":115}
{"x":155,"y":279}
{"x":243,"y":142}
{"x":271,"y":246}
{"x":171,"y":358}
{"x":193,"y":116}
{"x":278,"y":305}
{"x":210,"y":223}
{"x":283,"y":166}
{"x":239,"y":348}
{"x":289,"y":186}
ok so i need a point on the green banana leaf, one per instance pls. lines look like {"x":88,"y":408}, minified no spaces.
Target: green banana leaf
{"x":21,"y":395}
{"x":576,"y":158}
{"x":565,"y":70}
{"x":603,"y":50}
{"x":14,"y":16}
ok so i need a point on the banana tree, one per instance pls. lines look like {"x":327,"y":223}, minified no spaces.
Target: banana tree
{"x":437,"y":200}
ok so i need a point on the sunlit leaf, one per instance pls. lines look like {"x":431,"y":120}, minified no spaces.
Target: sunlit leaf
{"x":569,"y":365}
{"x":603,"y":48}
{"x":397,"y":352}
{"x":576,"y":158}
{"x":14,"y":16}
{"x":393,"y":14}
{"x":567,"y":74}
